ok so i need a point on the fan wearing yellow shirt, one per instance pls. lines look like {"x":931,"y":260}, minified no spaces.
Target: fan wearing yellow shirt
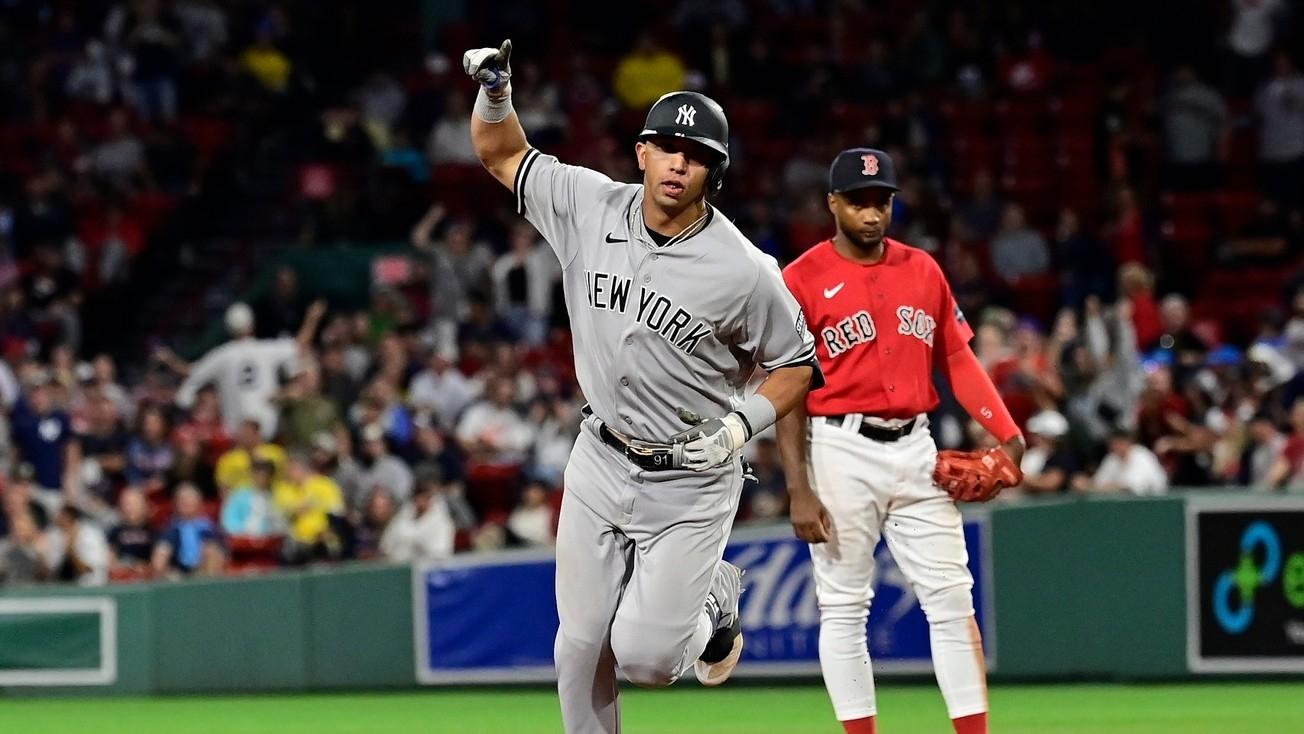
{"x":648,"y":72}
{"x":235,"y":467}
{"x":308,"y":500}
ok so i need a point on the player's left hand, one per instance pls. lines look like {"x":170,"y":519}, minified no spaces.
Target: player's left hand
{"x":709,"y":443}
{"x":976,"y":476}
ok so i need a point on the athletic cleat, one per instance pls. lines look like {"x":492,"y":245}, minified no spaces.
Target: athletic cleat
{"x":718,"y":660}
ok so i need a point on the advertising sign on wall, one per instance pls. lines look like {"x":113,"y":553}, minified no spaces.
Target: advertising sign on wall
{"x":1245,"y":587}
{"x":492,"y":618}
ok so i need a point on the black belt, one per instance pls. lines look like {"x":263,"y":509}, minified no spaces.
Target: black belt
{"x":649,"y":457}
{"x":877,"y":433}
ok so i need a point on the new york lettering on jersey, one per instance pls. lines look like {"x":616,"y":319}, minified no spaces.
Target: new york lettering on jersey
{"x":656,"y":312}
{"x":658,"y":327}
{"x":878,"y":328}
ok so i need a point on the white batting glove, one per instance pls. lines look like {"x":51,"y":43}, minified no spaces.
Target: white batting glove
{"x":491,"y":67}
{"x":708,"y":444}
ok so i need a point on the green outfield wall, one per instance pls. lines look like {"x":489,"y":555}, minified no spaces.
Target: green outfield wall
{"x":1102,"y":589}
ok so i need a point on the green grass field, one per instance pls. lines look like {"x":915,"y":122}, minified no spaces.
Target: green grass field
{"x":1239,"y":708}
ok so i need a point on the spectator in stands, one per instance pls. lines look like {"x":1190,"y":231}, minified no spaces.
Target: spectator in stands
{"x":281,"y":310}
{"x":471,"y":259}
{"x":266,"y":63}
{"x":491,"y":431}
{"x":1128,"y":467}
{"x":381,"y":404}
{"x":19,"y":498}
{"x":305,"y":411}
{"x":983,"y":212}
{"x":1262,"y":452}
{"x":450,"y":139}
{"x":205,"y":422}
{"x":1249,"y":39}
{"x":381,"y":101}
{"x":1018,"y":251}
{"x":1102,"y":369}
{"x":375,"y":468}
{"x":647,"y":72}
{"x":192,"y":543}
{"x":370,"y":525}
{"x":77,"y":550}
{"x":1280,"y":105}
{"x":523,"y":280}
{"x":132,"y":539}
{"x":1187,"y":348}
{"x":1048,"y":465}
{"x":235,"y":467}
{"x":1195,"y":120}
{"x":42,"y":433}
{"x":531,"y":521}
{"x":1162,"y":412}
{"x":423,"y":529}
{"x":338,"y":383}
{"x":119,"y":162}
{"x":1287,"y":471}
{"x":1084,"y":264}
{"x":91,"y":77}
{"x":247,"y":371}
{"x":481,"y":329}
{"x":766,"y":497}
{"x":441,"y":389}
{"x":150,"y":455}
{"x":1125,"y":228}
{"x":311,"y":502}
{"x":149,"y":34}
{"x":537,"y":101}
{"x":105,"y":382}
{"x":204,"y":26}
{"x":556,"y":426}
{"x":1137,"y":287}
{"x":193,"y":463}
{"x":23,"y":552}
{"x":98,"y":457}
{"x":53,"y":295}
{"x":250,"y":510}
{"x":44,"y":215}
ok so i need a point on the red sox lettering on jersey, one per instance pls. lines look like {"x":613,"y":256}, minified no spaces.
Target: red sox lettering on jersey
{"x":879,"y":328}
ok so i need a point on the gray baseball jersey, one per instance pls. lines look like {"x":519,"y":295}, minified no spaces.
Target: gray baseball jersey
{"x":657,"y":328}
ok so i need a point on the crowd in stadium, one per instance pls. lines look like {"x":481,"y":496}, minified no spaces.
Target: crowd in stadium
{"x":1121,"y":222}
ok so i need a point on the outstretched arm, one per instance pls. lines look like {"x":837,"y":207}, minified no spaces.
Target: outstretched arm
{"x":496,"y":132}
{"x":977,"y":394}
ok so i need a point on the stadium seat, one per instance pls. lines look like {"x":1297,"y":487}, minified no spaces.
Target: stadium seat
{"x":250,"y":553}
{"x":492,"y":488}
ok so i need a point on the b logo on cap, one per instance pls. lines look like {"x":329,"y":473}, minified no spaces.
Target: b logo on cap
{"x":871,"y":164}
{"x":686,"y":115}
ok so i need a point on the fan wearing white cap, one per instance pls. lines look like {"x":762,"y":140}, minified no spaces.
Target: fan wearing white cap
{"x":246,"y":370}
{"x":1048,"y":465}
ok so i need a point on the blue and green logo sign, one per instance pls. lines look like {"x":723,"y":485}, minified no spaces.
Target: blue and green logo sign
{"x":1251,"y":584}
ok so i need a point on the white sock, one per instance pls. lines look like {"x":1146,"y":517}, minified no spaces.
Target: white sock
{"x":844,"y":660}
{"x":960,"y":666}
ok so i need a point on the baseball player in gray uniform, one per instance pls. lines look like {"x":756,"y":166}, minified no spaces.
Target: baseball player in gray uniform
{"x":671,"y":309}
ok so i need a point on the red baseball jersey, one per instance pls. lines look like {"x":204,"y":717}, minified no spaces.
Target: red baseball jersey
{"x":877,"y":328}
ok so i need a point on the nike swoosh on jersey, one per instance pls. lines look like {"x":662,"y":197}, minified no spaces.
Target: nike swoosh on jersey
{"x":611,"y":241}
{"x":831,"y":292}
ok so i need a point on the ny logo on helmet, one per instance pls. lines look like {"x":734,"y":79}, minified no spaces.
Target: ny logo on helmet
{"x":871,"y":164}
{"x":686,"y":115}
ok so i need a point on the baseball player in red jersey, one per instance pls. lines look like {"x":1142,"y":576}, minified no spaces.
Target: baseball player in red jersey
{"x":859,"y":457}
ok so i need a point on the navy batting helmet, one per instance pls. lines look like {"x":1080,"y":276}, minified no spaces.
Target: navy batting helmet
{"x":696,"y":117}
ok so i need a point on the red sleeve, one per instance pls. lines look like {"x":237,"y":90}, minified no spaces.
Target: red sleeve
{"x":956,"y":332}
{"x":791,"y":280}
{"x":977,"y":393}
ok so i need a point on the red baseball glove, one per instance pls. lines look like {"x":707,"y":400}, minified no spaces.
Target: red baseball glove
{"x":975,"y":476}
